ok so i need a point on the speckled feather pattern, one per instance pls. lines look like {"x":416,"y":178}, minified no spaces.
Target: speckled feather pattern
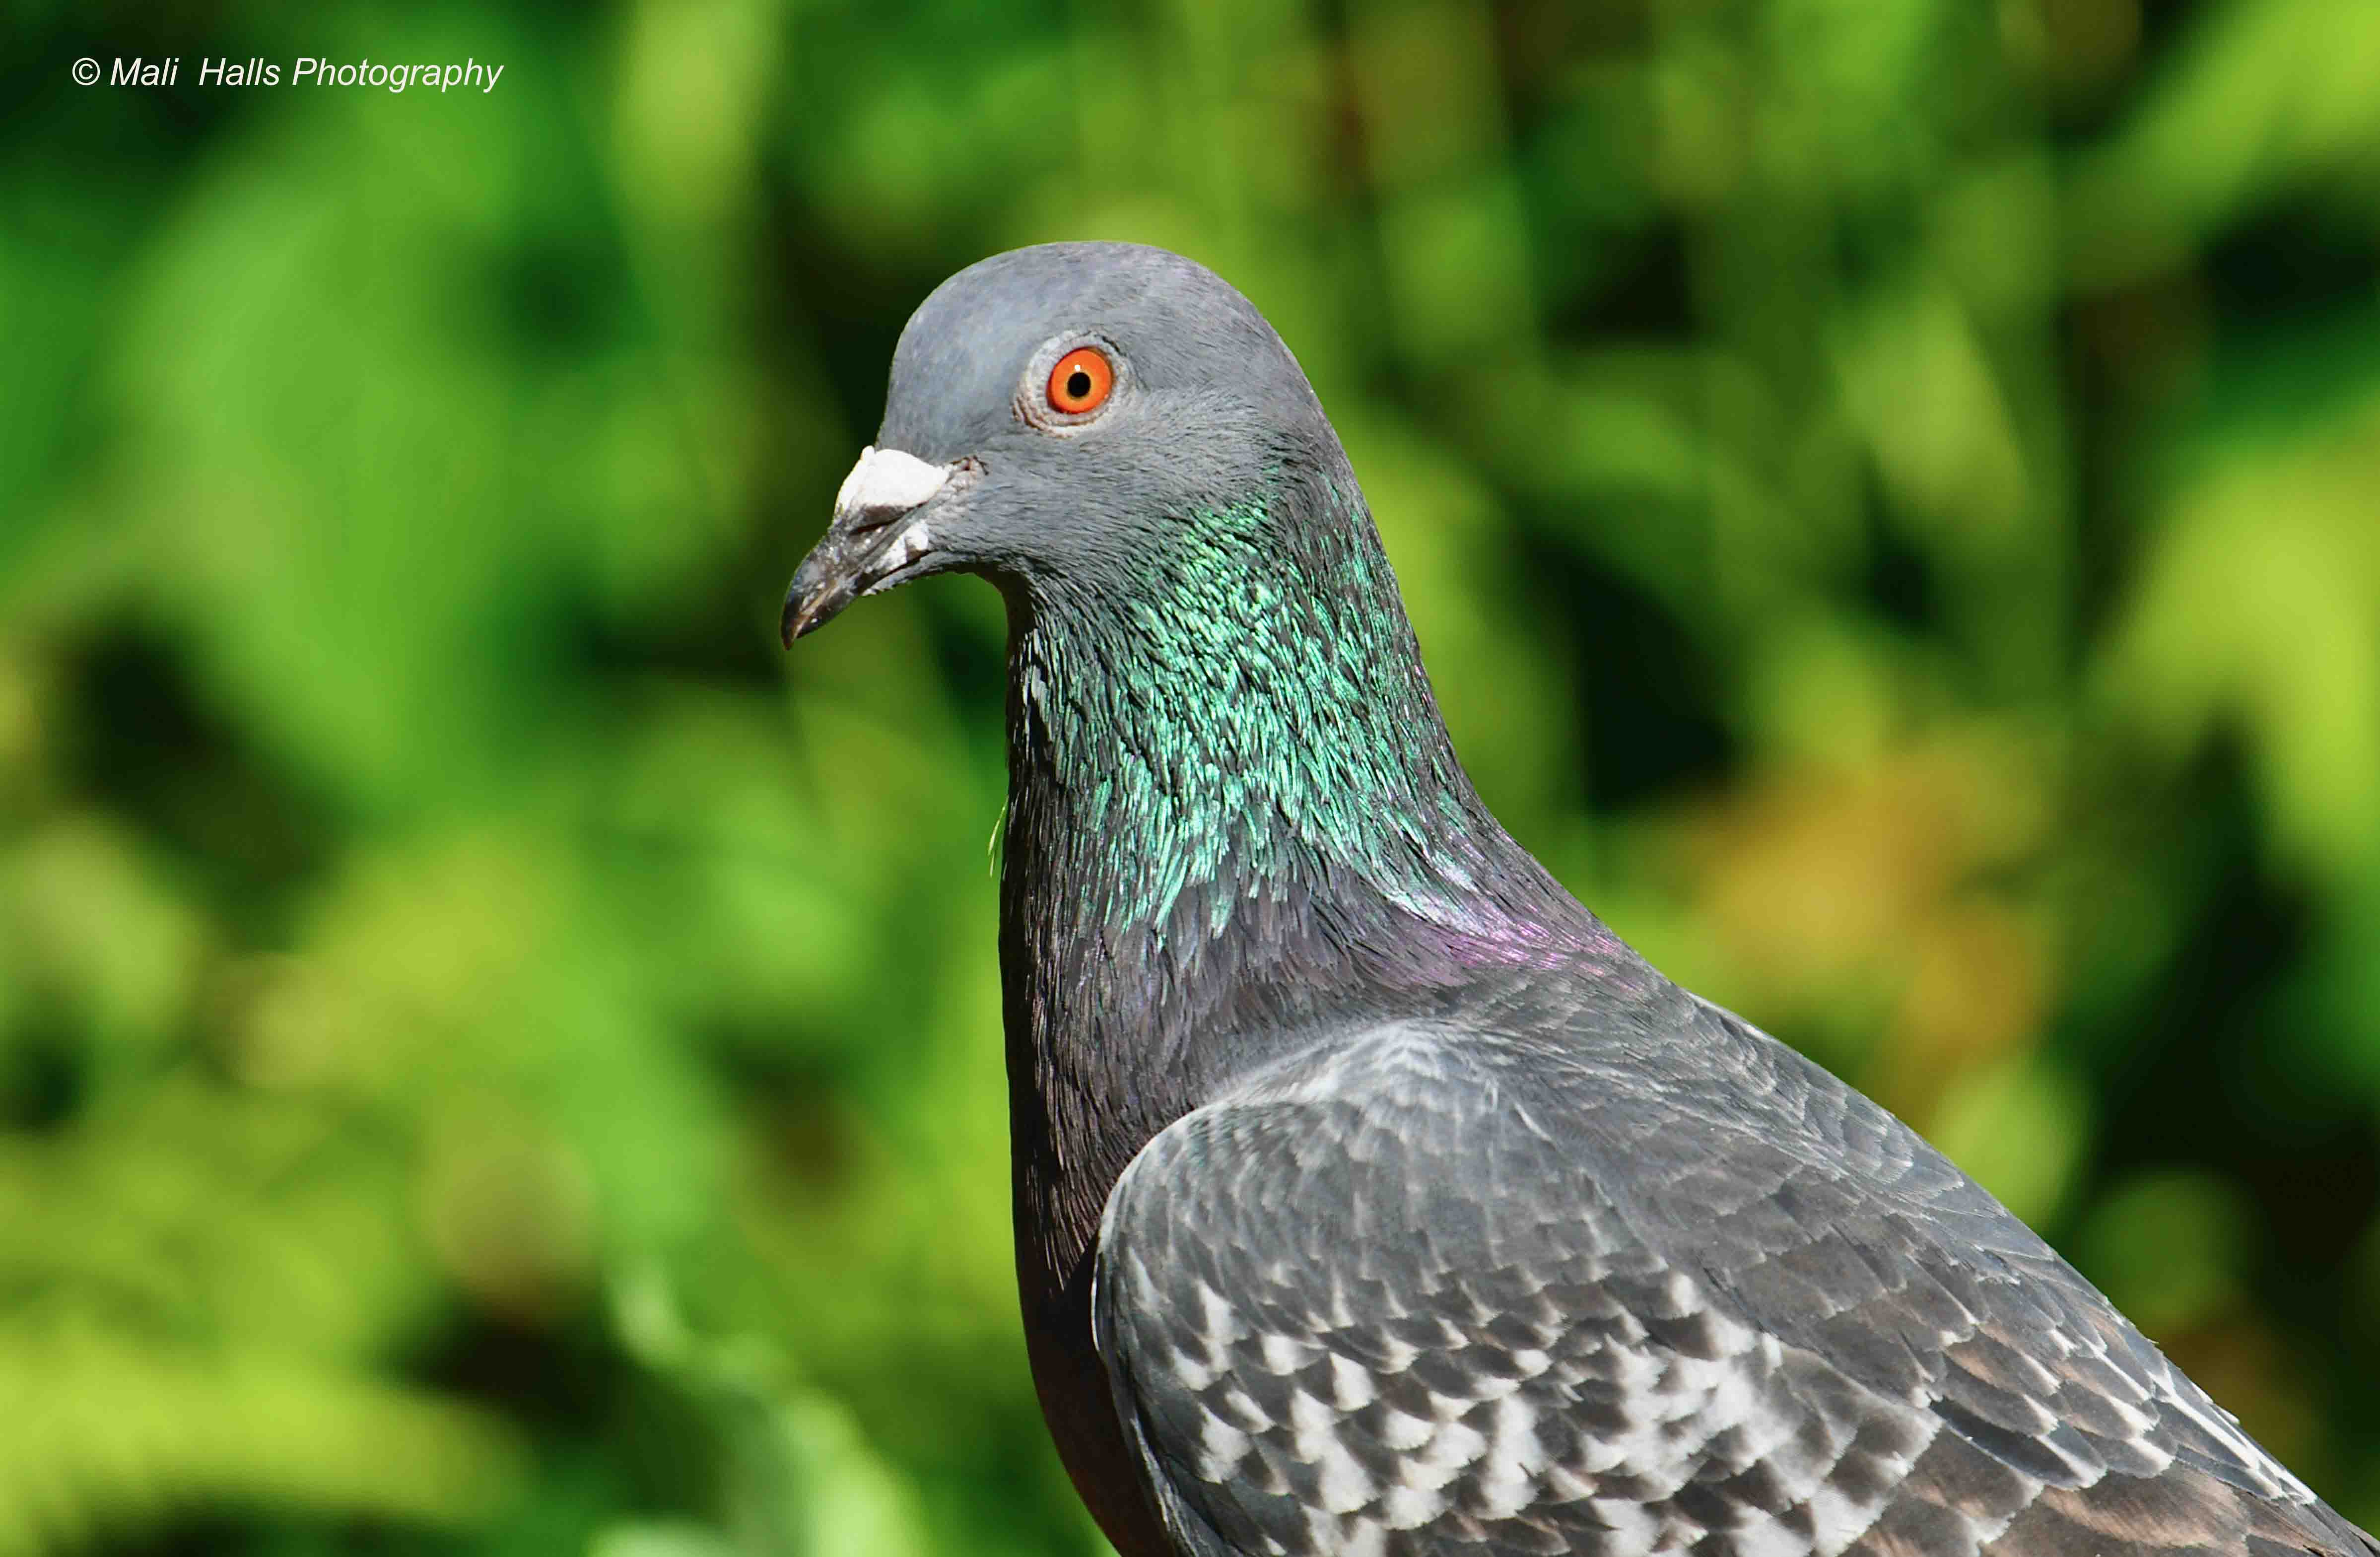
{"x":1520,"y":1284}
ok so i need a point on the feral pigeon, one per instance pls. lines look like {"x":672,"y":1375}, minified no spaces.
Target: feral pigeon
{"x":1371,"y":1196}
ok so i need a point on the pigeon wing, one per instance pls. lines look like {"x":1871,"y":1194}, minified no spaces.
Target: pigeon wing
{"x":1435,"y":1291}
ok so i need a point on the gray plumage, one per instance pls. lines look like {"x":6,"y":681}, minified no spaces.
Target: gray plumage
{"x":1492,"y":1285}
{"x":1372,"y":1198}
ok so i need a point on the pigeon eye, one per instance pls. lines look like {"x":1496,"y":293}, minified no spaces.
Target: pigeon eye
{"x":1081,"y":380}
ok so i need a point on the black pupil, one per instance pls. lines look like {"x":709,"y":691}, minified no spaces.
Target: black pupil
{"x":1078,"y":385}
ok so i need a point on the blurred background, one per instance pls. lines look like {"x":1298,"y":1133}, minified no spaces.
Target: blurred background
{"x":497,"y":1058}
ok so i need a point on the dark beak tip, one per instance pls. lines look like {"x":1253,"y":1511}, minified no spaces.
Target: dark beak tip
{"x":801,"y":617}
{"x":817,"y":592}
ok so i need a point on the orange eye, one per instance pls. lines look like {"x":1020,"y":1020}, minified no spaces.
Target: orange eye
{"x":1081,"y":380}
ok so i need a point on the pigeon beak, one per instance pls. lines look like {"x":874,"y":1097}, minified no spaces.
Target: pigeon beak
{"x":875,"y":541}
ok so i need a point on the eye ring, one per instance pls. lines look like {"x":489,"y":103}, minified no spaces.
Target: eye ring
{"x":1081,"y":382}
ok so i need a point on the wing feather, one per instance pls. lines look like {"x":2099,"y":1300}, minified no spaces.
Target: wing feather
{"x":1430,"y":1290}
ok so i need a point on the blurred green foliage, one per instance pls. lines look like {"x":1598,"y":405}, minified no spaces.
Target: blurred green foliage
{"x":494,"y":1058}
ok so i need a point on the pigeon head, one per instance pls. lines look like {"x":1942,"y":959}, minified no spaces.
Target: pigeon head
{"x":1058,"y":415}
{"x":1215,"y":696}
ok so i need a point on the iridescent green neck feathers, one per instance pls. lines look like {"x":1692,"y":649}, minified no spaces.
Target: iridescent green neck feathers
{"x":1246,"y":702}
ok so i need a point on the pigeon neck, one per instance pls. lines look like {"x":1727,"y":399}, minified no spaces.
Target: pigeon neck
{"x":1233,"y":813}
{"x":1241,"y":707}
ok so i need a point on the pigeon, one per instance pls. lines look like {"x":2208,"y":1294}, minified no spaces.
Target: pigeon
{"x":1372,"y":1199}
